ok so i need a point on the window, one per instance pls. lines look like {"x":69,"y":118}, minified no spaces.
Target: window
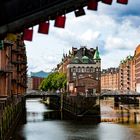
{"x":74,"y":69}
{"x":91,"y":69}
{"x":87,"y":69}
{"x":97,"y":69}
{"x":83,"y":69}
{"x":79,"y":69}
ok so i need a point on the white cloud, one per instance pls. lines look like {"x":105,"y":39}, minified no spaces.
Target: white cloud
{"x":89,"y":35}
{"x":112,"y":28}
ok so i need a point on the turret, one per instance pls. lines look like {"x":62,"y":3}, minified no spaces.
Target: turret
{"x":96,"y":56}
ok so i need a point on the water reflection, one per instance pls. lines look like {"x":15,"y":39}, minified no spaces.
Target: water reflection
{"x":45,"y":124}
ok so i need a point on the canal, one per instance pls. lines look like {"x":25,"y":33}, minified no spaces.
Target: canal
{"x":41,"y":123}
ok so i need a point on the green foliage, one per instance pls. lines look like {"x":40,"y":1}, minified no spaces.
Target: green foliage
{"x":54,"y":82}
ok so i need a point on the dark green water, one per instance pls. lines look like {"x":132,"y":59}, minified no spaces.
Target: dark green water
{"x":44,"y":124}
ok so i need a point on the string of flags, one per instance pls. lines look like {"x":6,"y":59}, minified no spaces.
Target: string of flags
{"x":60,"y":20}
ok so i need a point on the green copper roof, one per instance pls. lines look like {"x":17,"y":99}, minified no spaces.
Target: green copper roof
{"x":85,"y":57}
{"x":129,"y":57}
{"x":76,"y":59}
{"x":96,"y":55}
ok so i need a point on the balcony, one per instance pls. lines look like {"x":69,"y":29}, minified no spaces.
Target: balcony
{"x":14,"y":75}
{"x":6,"y":68}
{"x":21,"y":52}
{"x":15,"y":50}
{"x":19,"y":61}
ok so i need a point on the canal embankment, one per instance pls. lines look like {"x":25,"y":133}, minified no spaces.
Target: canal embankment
{"x":10,"y":113}
{"x":44,"y":123}
{"x":124,"y":113}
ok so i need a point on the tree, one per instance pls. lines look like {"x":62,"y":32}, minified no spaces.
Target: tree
{"x":55,"y":81}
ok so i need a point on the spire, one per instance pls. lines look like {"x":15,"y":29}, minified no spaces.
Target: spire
{"x":96,"y":54}
{"x":84,"y":51}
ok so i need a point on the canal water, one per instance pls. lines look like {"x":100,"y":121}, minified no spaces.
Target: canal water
{"x":41,"y":123}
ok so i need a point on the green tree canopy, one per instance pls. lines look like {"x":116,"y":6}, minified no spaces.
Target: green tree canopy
{"x":54,"y":82}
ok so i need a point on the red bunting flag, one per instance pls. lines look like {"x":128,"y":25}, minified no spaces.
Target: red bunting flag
{"x":44,"y":27}
{"x":28,"y":34}
{"x":122,"y":1}
{"x":79,"y":12}
{"x":92,"y":5}
{"x":60,"y":21}
{"x":107,"y":1}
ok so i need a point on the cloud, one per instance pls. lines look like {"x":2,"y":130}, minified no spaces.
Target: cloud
{"x":116,"y":9}
{"x":114,"y":29}
{"x":89,"y":35}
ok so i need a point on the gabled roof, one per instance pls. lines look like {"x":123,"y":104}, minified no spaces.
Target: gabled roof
{"x":83,"y":53}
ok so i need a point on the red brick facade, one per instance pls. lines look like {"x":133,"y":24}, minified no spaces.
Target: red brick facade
{"x":127,"y":77}
{"x":137,"y":67}
{"x":36,"y":81}
{"x":127,"y":74}
{"x":110,"y":79}
{"x":13,"y":65}
{"x":82,"y":67}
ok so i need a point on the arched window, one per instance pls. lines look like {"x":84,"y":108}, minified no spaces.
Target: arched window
{"x":91,"y":69}
{"x":79,"y":69}
{"x":96,"y":69}
{"x":87,"y":69}
{"x":74,"y":69}
{"x":83,"y":69}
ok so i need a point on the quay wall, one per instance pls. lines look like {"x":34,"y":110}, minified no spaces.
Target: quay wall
{"x":11,"y":113}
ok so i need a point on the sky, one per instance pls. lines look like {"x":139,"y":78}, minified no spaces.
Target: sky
{"x":114,"y":29}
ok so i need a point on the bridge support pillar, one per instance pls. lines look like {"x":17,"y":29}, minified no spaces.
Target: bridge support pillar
{"x":116,"y":102}
{"x":122,"y":115}
{"x":135,"y":117}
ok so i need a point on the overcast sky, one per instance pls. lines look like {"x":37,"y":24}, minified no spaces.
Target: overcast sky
{"x":114,"y":29}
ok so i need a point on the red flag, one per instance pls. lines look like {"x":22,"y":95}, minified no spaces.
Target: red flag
{"x":44,"y":27}
{"x":92,"y":5}
{"x":60,"y":21}
{"x":107,"y":1}
{"x":28,"y":34}
{"x":122,"y":1}
{"x":79,"y":12}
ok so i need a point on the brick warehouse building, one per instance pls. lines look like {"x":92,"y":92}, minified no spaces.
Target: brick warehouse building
{"x":122,"y":78}
{"x":110,"y":79}
{"x":35,"y":79}
{"x":128,"y":74}
{"x":13,"y":66}
{"x":137,"y":67}
{"x":83,"y":69}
